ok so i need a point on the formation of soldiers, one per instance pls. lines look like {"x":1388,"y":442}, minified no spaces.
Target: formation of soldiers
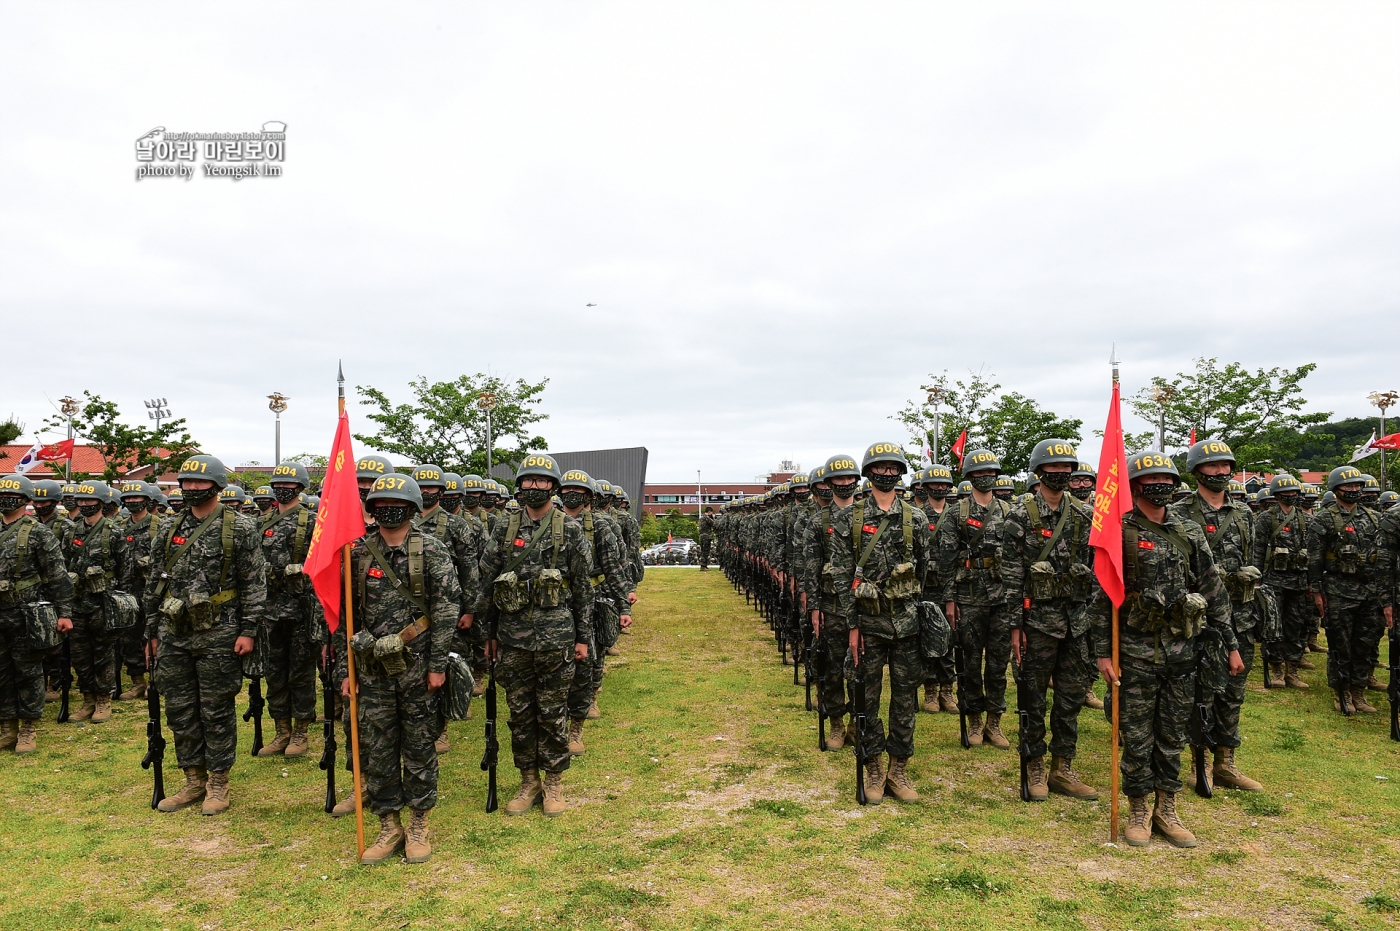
{"x":199,"y":590}
{"x":869,"y":568}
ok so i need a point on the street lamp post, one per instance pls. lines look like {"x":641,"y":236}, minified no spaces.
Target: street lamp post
{"x":936,"y":393}
{"x":1383,"y":400}
{"x":1162,"y":394}
{"x":277,"y":403}
{"x":699,"y":497}
{"x":158,"y":409}
{"x":487,"y":402}
{"x":69,"y":407}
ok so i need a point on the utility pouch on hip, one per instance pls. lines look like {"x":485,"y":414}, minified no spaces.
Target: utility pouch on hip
{"x":867,"y":597}
{"x":120,"y":610}
{"x":1188,"y":616}
{"x":200,"y":612}
{"x":1044,"y":582}
{"x":363,"y":644}
{"x":94,"y":580}
{"x":550,"y":591}
{"x":902,"y":582}
{"x":935,"y":633}
{"x":510,"y":593}
{"x":41,"y":625}
{"x":388,"y":652}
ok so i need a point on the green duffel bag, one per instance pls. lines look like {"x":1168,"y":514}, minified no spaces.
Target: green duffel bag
{"x":120,"y":610}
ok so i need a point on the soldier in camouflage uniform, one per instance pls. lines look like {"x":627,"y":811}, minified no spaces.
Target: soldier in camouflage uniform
{"x":465,"y":541}
{"x":295,"y":626}
{"x":539,"y":610}
{"x":1082,"y":482}
{"x":930,"y":488}
{"x":98,"y":564}
{"x":707,"y":532}
{"x":140,"y":533}
{"x":1174,"y":594}
{"x":621,"y":511}
{"x":47,"y":495}
{"x":206,"y":597}
{"x":32,"y":571}
{"x":1349,"y":576}
{"x":968,"y":542}
{"x":1047,"y":568}
{"x":406,"y":603}
{"x":833,"y":486}
{"x":880,"y":550}
{"x":1280,"y":554}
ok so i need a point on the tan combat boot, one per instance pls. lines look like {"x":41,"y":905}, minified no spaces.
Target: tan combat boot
{"x":554,"y":795}
{"x":898,"y":783}
{"x":216,"y":793}
{"x":1291,"y":677}
{"x":137,"y":690}
{"x":991,"y":733}
{"x":593,"y":712}
{"x":576,"y":746}
{"x":52,"y":692}
{"x":388,"y":842}
{"x":931,"y":698}
{"x":874,"y":782}
{"x":530,"y":792}
{"x":1226,"y":773}
{"x":1275,"y":674}
{"x":1093,"y":701}
{"x":280,"y":742}
{"x":9,"y":733}
{"x":416,"y":848}
{"x":1305,"y":663}
{"x":442,"y":744}
{"x":1064,"y":781}
{"x":192,"y":791}
{"x":479,"y":687}
{"x":1036,"y":784}
{"x":974,"y":729}
{"x":836,"y":735}
{"x":102,"y":710}
{"x":298,"y":745}
{"x":1166,"y":822}
{"x":85,"y":712}
{"x":1314,"y":646}
{"x":1375,"y":685}
{"x":611,"y":651}
{"x":1359,"y":702}
{"x":26,"y":741}
{"x":1138,"y":833}
{"x":346,"y":806}
{"x":947,"y":701}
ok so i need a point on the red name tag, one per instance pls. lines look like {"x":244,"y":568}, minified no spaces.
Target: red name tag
{"x":932,"y":526}
{"x":1045,"y":532}
{"x":519,"y":542}
{"x":869,"y":528}
{"x":1349,"y":530}
{"x":1146,"y":545}
{"x":130,"y":539}
{"x":1026,"y":604}
{"x":375,"y":572}
{"x":266,"y":533}
{"x":1210,"y":528}
{"x":973,"y":522}
{"x":80,"y":542}
{"x":178,"y":541}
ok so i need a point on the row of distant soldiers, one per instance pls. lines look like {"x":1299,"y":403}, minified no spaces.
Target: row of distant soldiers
{"x":863,"y":568}
{"x":199,"y":595}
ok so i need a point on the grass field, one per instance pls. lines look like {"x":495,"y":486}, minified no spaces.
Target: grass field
{"x":703,"y":803}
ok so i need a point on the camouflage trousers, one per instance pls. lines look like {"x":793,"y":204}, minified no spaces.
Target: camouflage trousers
{"x":1066,"y":661}
{"x":399,"y":721}
{"x":131,"y":644}
{"x":94,"y":654}
{"x":985,"y":634}
{"x":939,"y":671}
{"x":906,"y":665}
{"x":1153,"y":723}
{"x":1354,"y":631}
{"x":588,"y":676}
{"x":831,"y":687}
{"x":537,"y":692}
{"x":1299,"y":617}
{"x":199,"y":685}
{"x":291,"y":668}
{"x":21,"y":671}
{"x":1228,"y":703}
{"x":704,"y":552}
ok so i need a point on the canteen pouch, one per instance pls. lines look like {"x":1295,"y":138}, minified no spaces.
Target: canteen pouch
{"x":1188,"y":616}
{"x":200,"y":612}
{"x":549,"y":589}
{"x":1281,"y":560}
{"x":94,"y":580}
{"x":41,"y":625}
{"x":388,"y":652}
{"x":458,"y":690}
{"x":363,"y":644}
{"x":510,"y":593}
{"x":1300,"y":561}
{"x":902,"y":582}
{"x":173,"y":609}
{"x":255,"y":663}
{"x":1044,"y":584}
{"x":1348,"y":560}
{"x":120,"y":610}
{"x":935,"y":633}
{"x":867,"y":597}
{"x":1212,"y":665}
{"x":1241,"y":584}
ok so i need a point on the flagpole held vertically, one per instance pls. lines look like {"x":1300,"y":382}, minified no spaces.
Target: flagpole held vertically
{"x":350,"y":660}
{"x":1114,"y":777}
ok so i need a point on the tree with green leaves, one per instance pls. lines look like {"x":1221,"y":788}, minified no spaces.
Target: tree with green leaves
{"x":10,"y":430}
{"x":126,"y":448}
{"x":445,"y":424}
{"x":1259,"y":413}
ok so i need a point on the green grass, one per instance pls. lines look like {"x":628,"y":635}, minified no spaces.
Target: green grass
{"x":703,"y":803}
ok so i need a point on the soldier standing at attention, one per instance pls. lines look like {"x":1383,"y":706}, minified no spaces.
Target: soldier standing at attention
{"x":1280,"y":553}
{"x":205,"y":602}
{"x":1173,"y":593}
{"x":96,"y":558}
{"x":1048,"y":570}
{"x":539,"y":610}
{"x":931,"y":487}
{"x":140,"y":534}
{"x":969,"y":539}
{"x":833,"y":486}
{"x":47,"y":495}
{"x":707,"y":528}
{"x":31,"y":572}
{"x":879,"y":554}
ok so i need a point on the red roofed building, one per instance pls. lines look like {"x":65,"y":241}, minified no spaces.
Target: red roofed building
{"x":87,"y":461}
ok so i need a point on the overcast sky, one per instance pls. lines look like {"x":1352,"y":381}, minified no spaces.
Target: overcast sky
{"x":788,"y":215}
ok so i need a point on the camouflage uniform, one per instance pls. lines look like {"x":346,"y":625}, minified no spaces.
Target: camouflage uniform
{"x":1056,"y":626}
{"x":611,"y":583}
{"x":464,"y":539}
{"x":21,"y":665}
{"x":968,"y":543}
{"x":139,"y":535}
{"x":938,"y":671}
{"x":1280,"y":553}
{"x":1159,"y":669}
{"x":197,"y":671}
{"x":536,"y":662}
{"x":399,"y":719}
{"x":1346,"y":564}
{"x":61,"y":526}
{"x":817,"y":555}
{"x":707,"y":527}
{"x":97,"y":562}
{"x":295,"y":626}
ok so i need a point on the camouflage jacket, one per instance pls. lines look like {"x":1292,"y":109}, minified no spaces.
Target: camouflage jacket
{"x":286,"y":538}
{"x":533,"y":627}
{"x":881,"y":595}
{"x":933,"y":579}
{"x":1159,"y":579}
{"x":707,"y":527}
{"x":608,"y":574}
{"x":59,"y":525}
{"x":43,"y":574}
{"x":97,"y":562}
{"x":968,"y":543}
{"x":1280,"y":549}
{"x":462,"y":535}
{"x":1346,"y":554}
{"x":816,"y":554}
{"x":802,"y":516}
{"x":1231,"y":541}
{"x":1057,"y":585}
{"x":198,"y":570}
{"x":140,"y":537}
{"x":1390,"y":556}
{"x":383,"y":609}
{"x":631,"y":534}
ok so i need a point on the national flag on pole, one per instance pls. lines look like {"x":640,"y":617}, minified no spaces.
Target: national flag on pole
{"x":339,"y":521}
{"x":1112,"y":500}
{"x":959,"y":445}
{"x":926,"y":457}
{"x":53,"y":452}
{"x":1367,"y":448}
{"x":1193,"y":436}
{"x":1387,"y":442}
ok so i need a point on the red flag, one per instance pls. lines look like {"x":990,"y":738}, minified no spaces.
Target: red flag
{"x":338,"y":521}
{"x":1193,"y":436}
{"x":668,"y":537}
{"x":56,"y":451}
{"x":959,"y":445}
{"x":1112,"y":500}
{"x":1387,"y":442}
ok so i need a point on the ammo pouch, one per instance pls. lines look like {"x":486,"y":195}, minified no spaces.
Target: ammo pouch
{"x":1212,"y":665}
{"x":1240,"y":584}
{"x":10,"y":590}
{"x":41,"y":625}
{"x":1281,"y":560}
{"x":1351,"y":560}
{"x":120,"y":610}
{"x":1147,"y":611}
{"x":867,"y":596}
{"x":902,"y":582}
{"x":935,"y":633}
{"x":510,"y":593}
{"x":200,"y":612}
{"x":1081,"y":582}
{"x":550,"y":590}
{"x":143,"y":562}
{"x":1044,"y":582}
{"x":363,"y":645}
{"x":94,"y":581}
{"x":1188,"y":616}
{"x":388,"y":653}
{"x":457,"y":693}
{"x":173,"y":609}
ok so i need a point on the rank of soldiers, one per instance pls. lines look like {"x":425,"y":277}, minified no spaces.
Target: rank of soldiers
{"x":866,"y":568}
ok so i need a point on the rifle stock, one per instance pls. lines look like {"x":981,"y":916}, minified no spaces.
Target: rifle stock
{"x":65,"y":678}
{"x":154,"y":759}
{"x":492,"y":750}
{"x":1393,"y":690}
{"x":255,"y":712}
{"x":328,"y":693}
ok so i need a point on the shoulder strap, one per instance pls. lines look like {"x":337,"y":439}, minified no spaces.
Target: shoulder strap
{"x":1033,"y":510}
{"x":300,"y":545}
{"x":172,"y":558}
{"x":908,"y":529}
{"x":440,"y":520}
{"x":377,"y":556}
{"x":1176,"y":539}
{"x":1130,"y":557}
{"x":514,"y":528}
{"x":415,"y":570}
{"x":588,"y":525}
{"x":1055,"y":536}
{"x":227,"y":540}
{"x":556,"y":524}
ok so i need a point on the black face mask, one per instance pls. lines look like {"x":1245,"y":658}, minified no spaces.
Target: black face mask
{"x":286,"y":495}
{"x":884,"y":482}
{"x":364,"y":492}
{"x":573,"y":499}
{"x":1055,"y":481}
{"x":452,"y":503}
{"x":391,"y":515}
{"x":487,"y":503}
{"x":920,"y":494}
{"x":801,"y":495}
{"x":196,"y":498}
{"x":1004,"y":493}
{"x":1289,"y":498}
{"x":136,"y":505}
{"x":431,"y":499}
{"x":939,"y":492}
{"x":1082,"y":493}
{"x":45,"y":511}
{"x":10,"y":503}
{"x":1215,"y":482}
{"x":1159,"y":494}
{"x":824,"y":495}
{"x":984,"y":482}
{"x":535,"y":497}
{"x":1350,"y":497}
{"x":471,"y":501}
{"x":844,"y":489}
{"x":87,"y":510}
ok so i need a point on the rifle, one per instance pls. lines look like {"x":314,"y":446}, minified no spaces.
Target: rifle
{"x":819,"y":673}
{"x":488,"y":758}
{"x":65,"y":678}
{"x":328,"y":693}
{"x":1264,"y":661}
{"x":961,"y":675}
{"x":809,"y":660}
{"x":117,"y":666}
{"x":255,"y":713}
{"x":1393,"y":690}
{"x":154,"y":759}
{"x":858,"y":724}
{"x":1202,"y":724}
{"x":1023,"y":715}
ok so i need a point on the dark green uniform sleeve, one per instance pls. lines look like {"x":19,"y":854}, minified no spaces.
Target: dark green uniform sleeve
{"x":47,"y":554}
{"x":1211,"y":586}
{"x":580,"y":589}
{"x":250,"y":573}
{"x":444,"y":597}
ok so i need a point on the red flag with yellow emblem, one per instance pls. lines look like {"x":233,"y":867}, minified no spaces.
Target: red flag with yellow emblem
{"x":339,"y":522}
{"x":1112,"y":499}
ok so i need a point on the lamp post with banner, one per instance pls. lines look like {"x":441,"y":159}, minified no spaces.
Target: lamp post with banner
{"x":1383,"y":400}
{"x":487,"y":402}
{"x":277,"y":403}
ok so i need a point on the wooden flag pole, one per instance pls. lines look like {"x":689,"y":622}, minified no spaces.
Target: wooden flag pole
{"x":348,"y":600}
{"x":1113,"y":774}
